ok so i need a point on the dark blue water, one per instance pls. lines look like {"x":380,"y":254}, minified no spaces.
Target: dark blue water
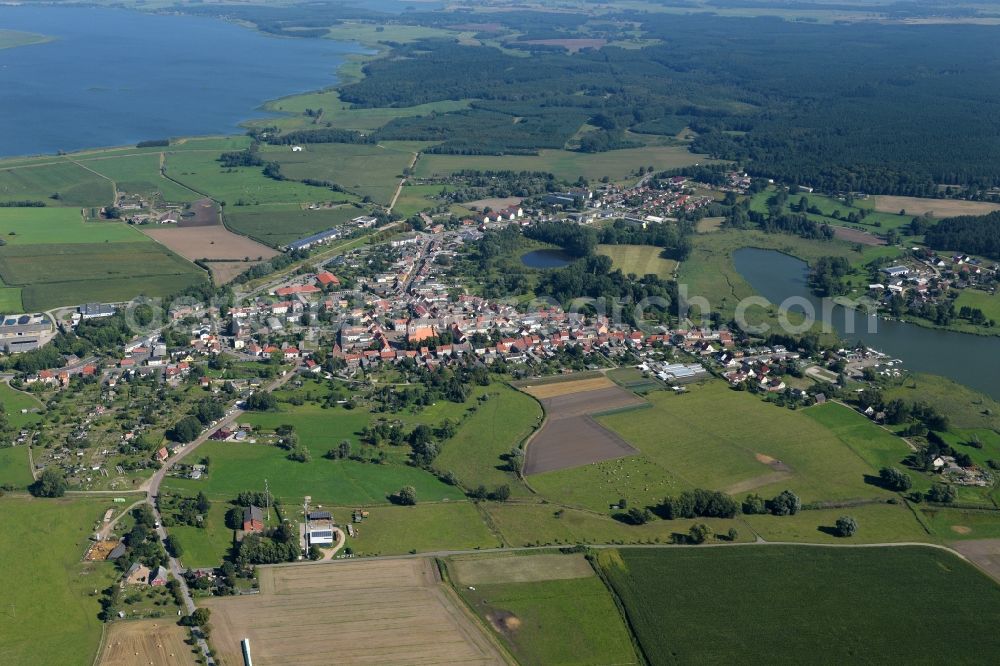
{"x":114,"y":77}
{"x":972,"y":360}
{"x":546,"y":259}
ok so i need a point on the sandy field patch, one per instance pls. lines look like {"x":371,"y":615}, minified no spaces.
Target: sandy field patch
{"x":350,"y":612}
{"x":934,"y":207}
{"x":857,"y":236}
{"x":99,"y":550}
{"x":984,"y":553}
{"x":554,"y":389}
{"x":519,"y":568}
{"x":961,"y":529}
{"x":155,"y":642}
{"x":224,"y":272}
{"x":707,"y":225}
{"x":211,"y":242}
{"x":495,"y":203}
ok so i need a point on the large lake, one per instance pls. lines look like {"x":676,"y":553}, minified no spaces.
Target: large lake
{"x":968,"y":359}
{"x":114,"y":77}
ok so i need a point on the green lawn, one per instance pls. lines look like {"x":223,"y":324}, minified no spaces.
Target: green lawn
{"x":639,"y":259}
{"x":394,"y":530}
{"x":10,"y":300}
{"x":499,"y":425}
{"x":788,"y":604}
{"x":571,"y":621}
{"x":416,"y":198}
{"x":280,"y":224}
{"x":973,"y":298}
{"x":56,"y":181}
{"x":955,"y":524}
{"x":205,"y":546}
{"x":48,"y":590}
{"x":567,"y":165}
{"x":877,"y":446}
{"x":14,"y":468}
{"x":717,"y":438}
{"x":34,"y":226}
{"x":14,"y":401}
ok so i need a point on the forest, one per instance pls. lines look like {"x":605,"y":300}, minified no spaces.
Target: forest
{"x":974,"y":234}
{"x":886,"y":114}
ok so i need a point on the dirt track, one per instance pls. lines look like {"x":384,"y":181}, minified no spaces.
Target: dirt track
{"x":571,"y":438}
{"x":350,"y":612}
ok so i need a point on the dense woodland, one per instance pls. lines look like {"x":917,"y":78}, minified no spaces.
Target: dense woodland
{"x":969,"y":233}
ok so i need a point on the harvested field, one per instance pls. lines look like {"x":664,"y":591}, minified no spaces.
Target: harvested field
{"x":555,"y":389}
{"x":571,"y":45}
{"x":381,"y":612}
{"x":984,"y":553}
{"x":707,"y":225}
{"x":202,"y":213}
{"x":477,"y":570}
{"x":154,"y":642}
{"x":570,"y":437}
{"x":857,"y":236}
{"x":495,"y":203}
{"x":210,"y":242}
{"x":224,"y":272}
{"x":938,"y":208}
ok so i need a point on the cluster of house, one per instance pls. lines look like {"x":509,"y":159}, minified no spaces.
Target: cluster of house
{"x":650,"y":201}
{"x":323,"y":237}
{"x":929,"y":273}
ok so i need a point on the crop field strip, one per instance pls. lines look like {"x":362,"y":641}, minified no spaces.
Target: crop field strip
{"x":569,"y":437}
{"x":155,"y":642}
{"x":389,"y":611}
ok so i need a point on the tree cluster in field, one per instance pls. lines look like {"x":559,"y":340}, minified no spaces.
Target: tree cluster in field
{"x":471,"y":185}
{"x":23,"y":203}
{"x":826,"y":275}
{"x":280,"y":544}
{"x":974,"y":234}
{"x":673,"y":238}
{"x":153,"y":143}
{"x":189,"y":511}
{"x":898,"y":412}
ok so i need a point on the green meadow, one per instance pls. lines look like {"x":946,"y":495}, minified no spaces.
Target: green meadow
{"x":367,"y":170}
{"x":14,"y":467}
{"x":745,"y":605}
{"x":34,"y":226}
{"x":41,"y":547}
{"x":395,"y":530}
{"x":499,"y":424}
{"x":342,"y":115}
{"x":140,"y":174}
{"x":685,"y":443}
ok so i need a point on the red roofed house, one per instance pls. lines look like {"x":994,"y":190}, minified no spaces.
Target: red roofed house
{"x":327,"y":278}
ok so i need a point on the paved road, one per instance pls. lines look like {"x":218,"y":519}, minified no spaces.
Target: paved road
{"x":152,"y":489}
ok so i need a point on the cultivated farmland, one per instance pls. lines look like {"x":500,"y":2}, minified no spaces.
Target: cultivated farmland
{"x":570,"y":437}
{"x":58,"y":182}
{"x":381,"y":612}
{"x":549,"y":609}
{"x":154,"y":642}
{"x":278,"y":225}
{"x":759,"y":591}
{"x":213,"y":243}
